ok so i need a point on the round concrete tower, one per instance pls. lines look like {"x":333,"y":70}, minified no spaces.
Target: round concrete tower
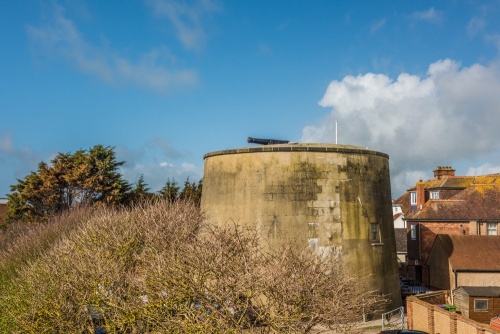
{"x":336,"y":198}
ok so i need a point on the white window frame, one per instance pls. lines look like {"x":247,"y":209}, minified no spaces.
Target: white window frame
{"x":413,"y":198}
{"x":491,"y":228}
{"x":413,"y":232}
{"x":482,"y":308}
{"x":434,"y":195}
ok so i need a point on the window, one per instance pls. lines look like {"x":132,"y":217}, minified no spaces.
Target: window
{"x":434,"y":194}
{"x":491,"y":229}
{"x":374,"y":232}
{"x":413,"y":232}
{"x":480,"y":304}
{"x":413,"y":198}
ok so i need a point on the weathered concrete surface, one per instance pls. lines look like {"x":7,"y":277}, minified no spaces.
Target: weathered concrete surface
{"x":330,"y":196}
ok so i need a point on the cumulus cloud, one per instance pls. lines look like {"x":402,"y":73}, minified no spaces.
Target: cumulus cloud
{"x":447,"y":116}
{"x":186,"y":19}
{"x":61,"y":38}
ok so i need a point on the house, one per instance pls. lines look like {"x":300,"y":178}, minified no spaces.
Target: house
{"x":478,"y":303}
{"x":397,"y":216}
{"x":400,"y":236}
{"x":448,"y":204}
{"x":3,"y":211}
{"x":401,"y":250}
{"x":464,"y":260}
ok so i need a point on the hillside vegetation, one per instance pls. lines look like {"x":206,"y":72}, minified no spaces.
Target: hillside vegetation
{"x":157,"y":267}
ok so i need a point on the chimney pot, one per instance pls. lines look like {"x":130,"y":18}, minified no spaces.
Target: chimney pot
{"x":443,"y":172}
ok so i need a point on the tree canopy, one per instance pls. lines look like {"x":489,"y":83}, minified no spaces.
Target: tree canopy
{"x":84,"y":178}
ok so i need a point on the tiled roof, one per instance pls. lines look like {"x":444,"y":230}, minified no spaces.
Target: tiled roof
{"x":404,"y":201}
{"x":471,"y":252}
{"x":396,"y":216}
{"x":477,"y":202}
{"x":460,"y":182}
{"x":400,"y":235}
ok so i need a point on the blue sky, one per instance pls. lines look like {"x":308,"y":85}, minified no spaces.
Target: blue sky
{"x":165,"y":82}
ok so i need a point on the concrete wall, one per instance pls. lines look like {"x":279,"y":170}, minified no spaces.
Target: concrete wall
{"x":327,"y":196}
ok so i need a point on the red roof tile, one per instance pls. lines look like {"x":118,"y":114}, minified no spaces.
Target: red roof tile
{"x":476,"y":202}
{"x":471,"y":252}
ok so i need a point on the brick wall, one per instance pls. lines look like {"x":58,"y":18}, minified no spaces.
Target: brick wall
{"x":429,"y":230}
{"x":425,"y":316}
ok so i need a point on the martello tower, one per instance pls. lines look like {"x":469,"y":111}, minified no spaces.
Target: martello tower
{"x":336,"y":198}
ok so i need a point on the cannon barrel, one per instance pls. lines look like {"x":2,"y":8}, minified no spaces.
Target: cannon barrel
{"x":266,"y":141}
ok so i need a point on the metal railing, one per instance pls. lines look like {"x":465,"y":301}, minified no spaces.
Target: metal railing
{"x":394,"y":319}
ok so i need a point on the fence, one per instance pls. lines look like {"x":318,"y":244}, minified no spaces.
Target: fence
{"x":394,"y":318}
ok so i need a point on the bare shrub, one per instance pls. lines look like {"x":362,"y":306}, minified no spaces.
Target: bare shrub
{"x":158,"y":268}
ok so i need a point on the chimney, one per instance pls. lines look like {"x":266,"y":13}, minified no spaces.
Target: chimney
{"x":443,"y":172}
{"x":420,"y":194}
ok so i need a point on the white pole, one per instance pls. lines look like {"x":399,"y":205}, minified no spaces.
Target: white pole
{"x":336,"y":132}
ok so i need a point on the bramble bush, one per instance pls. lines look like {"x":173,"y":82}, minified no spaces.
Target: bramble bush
{"x":158,"y":267}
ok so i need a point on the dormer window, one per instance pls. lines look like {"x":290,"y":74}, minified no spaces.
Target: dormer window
{"x":434,"y":195}
{"x":413,"y":198}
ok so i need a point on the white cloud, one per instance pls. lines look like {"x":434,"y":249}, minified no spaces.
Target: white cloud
{"x":166,"y":164}
{"x":429,"y":15}
{"x":484,"y":169}
{"x":60,"y":38}
{"x":448,"y":116}
{"x":189,"y":167}
{"x":186,"y":19}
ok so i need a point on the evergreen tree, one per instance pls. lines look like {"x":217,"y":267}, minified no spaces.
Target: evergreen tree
{"x":192,"y":191}
{"x":84,"y":178}
{"x":170,"y":191}
{"x":141,"y":191}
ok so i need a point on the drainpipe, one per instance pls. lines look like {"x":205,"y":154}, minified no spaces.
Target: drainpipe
{"x":456,"y":277}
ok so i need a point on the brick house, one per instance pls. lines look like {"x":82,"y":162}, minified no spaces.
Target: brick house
{"x":464,"y":260}
{"x":448,"y":204}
